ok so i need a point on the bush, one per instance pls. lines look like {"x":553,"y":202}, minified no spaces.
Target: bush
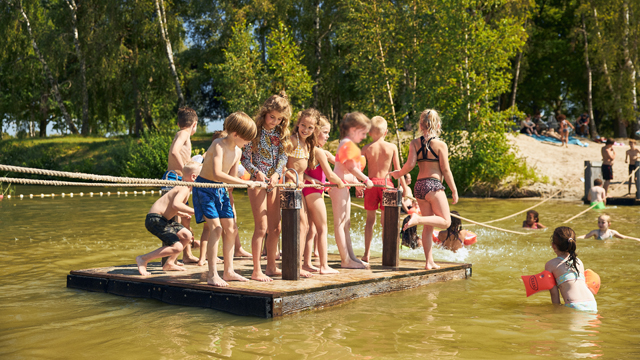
{"x":145,"y":157}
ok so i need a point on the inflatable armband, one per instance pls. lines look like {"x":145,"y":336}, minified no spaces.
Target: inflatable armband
{"x":539,"y":282}
{"x":415,"y":210}
{"x":593,"y":280}
{"x":243,"y":173}
{"x":348,"y":151}
{"x":363,"y":162}
{"x":469,"y":239}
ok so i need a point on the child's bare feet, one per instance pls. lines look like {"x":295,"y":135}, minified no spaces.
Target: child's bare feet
{"x":413,"y":221}
{"x":305,"y":274}
{"x":142,"y":266}
{"x":310,"y":268}
{"x":172,"y":267}
{"x":219,"y":261}
{"x":242,"y":253}
{"x":195,"y":244}
{"x":202,"y":262}
{"x":326,"y":270}
{"x":273,"y":272}
{"x":352,"y":264}
{"x":234,"y":277}
{"x":260,"y":277}
{"x":190,"y":259}
{"x":215,"y":280}
{"x":365,"y":258}
{"x":432,"y":265}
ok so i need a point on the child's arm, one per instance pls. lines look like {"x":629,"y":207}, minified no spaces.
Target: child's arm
{"x":626,"y":156}
{"x":591,"y":233}
{"x":247,"y":163}
{"x":354,"y":168}
{"x":620,"y":236}
{"x":221,"y":176}
{"x":180,"y":199}
{"x":330,"y":157}
{"x":324,"y":164}
{"x":409,"y":165}
{"x":555,"y":294}
{"x":396,"y":165}
{"x":174,"y":152}
{"x":446,"y":172}
{"x":540,"y":226}
{"x":282,"y":162}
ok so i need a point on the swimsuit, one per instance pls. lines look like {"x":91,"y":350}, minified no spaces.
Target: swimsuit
{"x":425,"y":186}
{"x":607,"y":172}
{"x":373,"y":196}
{"x":165,"y":230}
{"x":571,"y":274}
{"x":317,"y":174}
{"x":299,"y":152}
{"x":599,"y":237}
{"x":591,"y":306}
{"x":269,"y":157}
{"x":170,"y":175}
{"x":425,"y":149}
{"x":632,"y":167}
{"x":211,"y":203}
{"x":599,"y":205}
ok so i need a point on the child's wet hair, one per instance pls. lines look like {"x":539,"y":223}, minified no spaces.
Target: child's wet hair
{"x":192,"y":167}
{"x":279,"y":103}
{"x":218,"y":134}
{"x":186,"y":117}
{"x":241,"y":124}
{"x":453,"y":231}
{"x":378,"y":125}
{"x":597,"y":182}
{"x":410,"y":236}
{"x":535,"y":215}
{"x":430,"y":123}
{"x":311,"y":141}
{"x":354,"y":119}
{"x":564,"y":238}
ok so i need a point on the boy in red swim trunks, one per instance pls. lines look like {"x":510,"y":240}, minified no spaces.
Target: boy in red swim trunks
{"x":380,"y":156}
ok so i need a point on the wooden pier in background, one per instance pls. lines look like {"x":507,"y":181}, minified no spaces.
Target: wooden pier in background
{"x":265,"y":300}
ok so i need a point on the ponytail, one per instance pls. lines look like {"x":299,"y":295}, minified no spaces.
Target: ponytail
{"x":565,"y":240}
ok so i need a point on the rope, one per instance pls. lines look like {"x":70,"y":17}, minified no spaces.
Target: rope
{"x":582,"y":212}
{"x":525,"y":210}
{"x":66,"y":183}
{"x":623,"y":181}
{"x":489,"y":226}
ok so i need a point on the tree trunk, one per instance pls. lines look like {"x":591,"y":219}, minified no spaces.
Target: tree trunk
{"x":148,"y":119}
{"x":52,"y":80}
{"x":137,"y":112}
{"x":44,"y":112}
{"x":630,"y":66}
{"x":165,"y":37}
{"x":592,"y":123}
{"x":316,"y":26}
{"x":515,"y":79}
{"x":85,"y":129}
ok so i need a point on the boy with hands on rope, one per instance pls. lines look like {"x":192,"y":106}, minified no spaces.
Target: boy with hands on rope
{"x":175,"y":237}
{"x":213,"y":205}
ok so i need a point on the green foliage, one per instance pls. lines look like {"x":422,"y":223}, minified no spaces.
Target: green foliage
{"x":145,"y":157}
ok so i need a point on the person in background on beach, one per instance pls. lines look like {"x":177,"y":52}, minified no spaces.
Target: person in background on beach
{"x":564,"y":129}
{"x":632,"y":155}
{"x":608,"y":155}
{"x":160,"y":222}
{"x":569,"y":273}
{"x":353,"y":129}
{"x":179,"y":155}
{"x":532,"y":221}
{"x":381,"y":157}
{"x":603,"y":232}
{"x":597,"y":196}
{"x":316,"y":170}
{"x":432,"y":157}
{"x":213,"y":205}
{"x":582,"y":124}
{"x":265,"y":158}
{"x":528,"y":127}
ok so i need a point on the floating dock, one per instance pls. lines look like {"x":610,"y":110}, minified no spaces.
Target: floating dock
{"x":265,"y":300}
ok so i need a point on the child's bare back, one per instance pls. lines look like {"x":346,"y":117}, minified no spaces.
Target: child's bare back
{"x":230,"y":158}
{"x":180,"y":150}
{"x":379,"y":156}
{"x":166,"y":205}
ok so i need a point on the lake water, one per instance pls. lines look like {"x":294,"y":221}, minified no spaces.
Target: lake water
{"x":485,"y":317}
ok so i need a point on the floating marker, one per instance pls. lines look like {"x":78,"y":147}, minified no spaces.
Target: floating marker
{"x":52,"y":194}
{"x":62,"y":194}
{"x":71,"y":194}
{"x":135,"y":193}
{"x":160,"y":192}
{"x":100,"y":193}
{"x":144,"y":192}
{"x":30,"y":196}
{"x":81,"y":194}
{"x":8,"y":196}
{"x":21,"y":196}
{"x":91,"y":194}
{"x":126,"y":193}
{"x":118,"y":192}
{"x":151,"y":192}
{"x":41,"y":196}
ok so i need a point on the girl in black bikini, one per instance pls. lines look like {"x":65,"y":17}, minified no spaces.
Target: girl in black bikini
{"x":432,"y":157}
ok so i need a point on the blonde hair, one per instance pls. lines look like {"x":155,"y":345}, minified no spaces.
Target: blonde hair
{"x":311,"y":141}
{"x":241,"y":124}
{"x":354,"y":119}
{"x":186,"y":117}
{"x":322,"y":122}
{"x":279,"y":103}
{"x":192,"y":167}
{"x":378,"y":124}
{"x":605,"y":217}
{"x":430,"y":123}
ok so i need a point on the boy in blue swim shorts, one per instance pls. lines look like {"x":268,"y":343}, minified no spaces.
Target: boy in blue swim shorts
{"x":213,"y":205}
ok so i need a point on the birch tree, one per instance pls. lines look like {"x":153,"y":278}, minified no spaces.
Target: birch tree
{"x":162,"y":21}
{"x":85,"y":130}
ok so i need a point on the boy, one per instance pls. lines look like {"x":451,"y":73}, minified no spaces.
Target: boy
{"x":380,"y":156}
{"x":160,"y":223}
{"x":179,"y":155}
{"x":633,"y":155}
{"x":597,"y":195}
{"x":213,"y":205}
{"x":608,"y":155}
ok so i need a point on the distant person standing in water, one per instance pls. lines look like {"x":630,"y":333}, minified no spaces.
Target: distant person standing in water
{"x":632,"y":155}
{"x":608,"y":155}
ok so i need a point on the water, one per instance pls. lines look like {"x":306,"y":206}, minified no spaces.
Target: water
{"x":485,"y":317}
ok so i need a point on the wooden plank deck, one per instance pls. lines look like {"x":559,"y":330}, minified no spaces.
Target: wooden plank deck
{"x":265,"y":300}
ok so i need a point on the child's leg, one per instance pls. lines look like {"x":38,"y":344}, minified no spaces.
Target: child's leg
{"x":258,"y":200}
{"x":305,"y":268}
{"x":427,"y":236}
{"x":187,"y":255}
{"x":239,"y":251}
{"x":340,"y":203}
{"x":273,"y":237}
{"x":215,"y":231}
{"x":311,"y":235}
{"x":318,"y":220}
{"x":170,"y":252}
{"x":228,"y":244}
{"x":438,"y":216}
{"x":368,"y":234}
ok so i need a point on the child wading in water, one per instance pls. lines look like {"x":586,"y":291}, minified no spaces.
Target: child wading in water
{"x":432,"y":157}
{"x":569,"y":273}
{"x":603,"y":232}
{"x":264,"y":158}
{"x":532,"y":221}
{"x":308,"y":159}
{"x":453,"y":238}
{"x":353,"y":128}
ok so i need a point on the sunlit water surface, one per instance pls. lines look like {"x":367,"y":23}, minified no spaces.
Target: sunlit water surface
{"x":485,"y":317}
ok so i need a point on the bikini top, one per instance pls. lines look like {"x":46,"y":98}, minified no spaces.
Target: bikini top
{"x":425,"y":149}
{"x":600,"y":237}
{"x":570,"y":274}
{"x":299,"y":152}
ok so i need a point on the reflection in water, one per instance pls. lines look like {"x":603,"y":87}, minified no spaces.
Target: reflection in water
{"x":487,"y":316}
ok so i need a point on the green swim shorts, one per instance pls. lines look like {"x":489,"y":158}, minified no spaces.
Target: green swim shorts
{"x":599,"y":206}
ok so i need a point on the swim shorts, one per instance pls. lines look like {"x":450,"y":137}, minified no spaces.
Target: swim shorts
{"x":600,"y":205}
{"x":425,"y":186}
{"x":170,"y":175}
{"x":165,"y":230}
{"x":607,"y":172}
{"x":590,"y":306}
{"x":632,"y":167}
{"x":373,"y":196}
{"x":211,"y":203}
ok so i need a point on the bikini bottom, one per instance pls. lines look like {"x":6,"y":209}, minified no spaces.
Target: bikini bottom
{"x":425,"y":186}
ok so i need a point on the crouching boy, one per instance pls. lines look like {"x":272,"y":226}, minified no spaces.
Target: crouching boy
{"x":160,"y":223}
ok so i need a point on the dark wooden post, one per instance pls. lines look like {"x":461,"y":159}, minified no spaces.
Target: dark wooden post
{"x":291,"y":203}
{"x":592,"y":171}
{"x":391,"y":200}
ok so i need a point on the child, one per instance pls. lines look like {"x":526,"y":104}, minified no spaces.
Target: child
{"x":353,"y":129}
{"x":608,"y":155}
{"x":453,"y":238}
{"x":632,"y":155}
{"x":179,"y":155}
{"x":569,"y":273}
{"x":381,"y":156}
{"x":308,"y":159}
{"x":160,"y":223}
{"x":564,"y":129}
{"x":604,"y":233}
{"x":432,"y":157}
{"x":597,"y":196}
{"x":532,"y":221}
{"x":213,"y":205}
{"x":264,"y":158}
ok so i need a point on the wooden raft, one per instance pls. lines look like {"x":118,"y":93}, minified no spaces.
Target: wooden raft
{"x":265,"y":300}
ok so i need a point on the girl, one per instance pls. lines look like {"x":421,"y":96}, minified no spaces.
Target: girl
{"x":603,"y":232}
{"x":453,"y":238}
{"x":569,"y":272}
{"x":432,"y":158}
{"x":564,"y":130}
{"x":532,"y":221}
{"x":353,"y":128}
{"x":312,"y":160}
{"x":264,"y":158}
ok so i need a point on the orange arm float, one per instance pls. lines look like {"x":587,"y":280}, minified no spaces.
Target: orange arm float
{"x":534,"y":283}
{"x":593,"y":280}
